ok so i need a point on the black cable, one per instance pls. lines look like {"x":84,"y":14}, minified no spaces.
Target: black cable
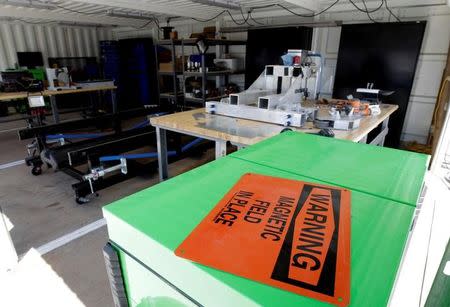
{"x":390,"y":12}
{"x":254,"y":20}
{"x":245,"y":19}
{"x":208,"y":20}
{"x":234,"y":20}
{"x":152,"y":18}
{"x":309,"y":15}
{"x":262,"y":7}
{"x":367,"y":11}
{"x":145,"y":24}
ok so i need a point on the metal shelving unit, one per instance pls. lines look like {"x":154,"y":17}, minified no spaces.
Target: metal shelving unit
{"x":175,"y":97}
{"x":180,"y":98}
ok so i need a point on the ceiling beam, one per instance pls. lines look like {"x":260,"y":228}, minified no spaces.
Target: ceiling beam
{"x":310,"y":5}
{"x":344,"y":7}
{"x":347,"y":6}
{"x":167,"y":7}
{"x":51,"y":15}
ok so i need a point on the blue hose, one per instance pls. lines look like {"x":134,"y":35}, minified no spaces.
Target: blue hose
{"x":69,"y":136}
{"x":135,"y":156}
{"x":75,"y":136}
{"x":150,"y":154}
{"x":142,"y":124}
{"x":191,"y":144}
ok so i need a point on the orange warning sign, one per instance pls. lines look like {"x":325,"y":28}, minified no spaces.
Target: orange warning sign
{"x":301,"y":228}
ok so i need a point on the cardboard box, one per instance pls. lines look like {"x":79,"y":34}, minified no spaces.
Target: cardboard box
{"x":168,"y":67}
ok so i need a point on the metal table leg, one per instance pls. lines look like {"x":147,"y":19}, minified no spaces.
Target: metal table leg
{"x":379,"y":139}
{"x":113,"y":101}
{"x":385,"y":129}
{"x":363,"y":140}
{"x":54,"y":109}
{"x":221,"y":149}
{"x":161,"y":143}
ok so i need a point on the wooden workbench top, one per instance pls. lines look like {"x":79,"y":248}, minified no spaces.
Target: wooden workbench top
{"x":22,"y":95}
{"x":248,"y":132}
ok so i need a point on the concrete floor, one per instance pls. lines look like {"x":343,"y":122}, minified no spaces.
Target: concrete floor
{"x":41,"y":209}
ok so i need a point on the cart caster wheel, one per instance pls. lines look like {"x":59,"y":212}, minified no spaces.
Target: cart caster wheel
{"x":36,"y":170}
{"x":81,"y":200}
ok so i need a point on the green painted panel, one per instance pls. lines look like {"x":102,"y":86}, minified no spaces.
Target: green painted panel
{"x":144,"y":289}
{"x":385,"y":172}
{"x":168,"y":212}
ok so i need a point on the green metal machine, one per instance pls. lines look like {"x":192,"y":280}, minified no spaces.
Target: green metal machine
{"x":146,"y":227}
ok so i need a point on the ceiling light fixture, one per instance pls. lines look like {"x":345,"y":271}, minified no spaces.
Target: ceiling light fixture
{"x":227,"y":4}
{"x":29,"y":3}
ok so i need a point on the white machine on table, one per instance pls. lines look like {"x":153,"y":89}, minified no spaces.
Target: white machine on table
{"x":59,"y":79}
{"x":276,"y":95}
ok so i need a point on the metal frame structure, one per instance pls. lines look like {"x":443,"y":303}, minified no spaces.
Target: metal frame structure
{"x":68,"y":156}
{"x":101,"y":173}
{"x":276,"y":95}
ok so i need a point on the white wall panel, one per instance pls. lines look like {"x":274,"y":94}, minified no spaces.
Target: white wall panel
{"x":87,"y":42}
{"x":60,"y":41}
{"x":437,"y":35}
{"x":428,"y":76}
{"x":70,"y":40}
{"x":8,"y":44}
{"x":419,"y":119}
{"x":41,"y":44}
{"x":51,"y":40}
{"x":19,"y":37}
{"x":78,"y":42}
{"x":333,"y":39}
{"x":103,"y":35}
{"x":3,"y":53}
{"x":94,"y":42}
{"x":30,"y":38}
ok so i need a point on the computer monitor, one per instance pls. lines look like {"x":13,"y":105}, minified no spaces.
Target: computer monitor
{"x":30,"y":59}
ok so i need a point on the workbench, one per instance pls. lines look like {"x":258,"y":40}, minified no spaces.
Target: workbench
{"x":146,"y":227}
{"x":52,"y":94}
{"x":243,"y":132}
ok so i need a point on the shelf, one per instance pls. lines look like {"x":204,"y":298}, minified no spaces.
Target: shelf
{"x":170,"y":95}
{"x":169,"y":73}
{"x":200,"y":100}
{"x":169,"y":42}
{"x":213,"y":73}
{"x":210,"y":42}
{"x":215,"y":42}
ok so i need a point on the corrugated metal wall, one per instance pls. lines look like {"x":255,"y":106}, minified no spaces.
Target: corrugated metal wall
{"x":52,"y":40}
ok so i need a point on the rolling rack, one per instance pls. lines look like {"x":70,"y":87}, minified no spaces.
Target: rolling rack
{"x":57,"y":147}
